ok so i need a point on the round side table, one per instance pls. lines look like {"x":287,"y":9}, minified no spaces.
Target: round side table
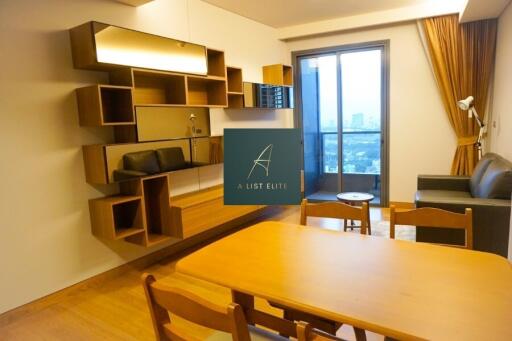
{"x":356,"y":199}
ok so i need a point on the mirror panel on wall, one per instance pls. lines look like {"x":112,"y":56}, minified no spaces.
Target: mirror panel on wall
{"x":165,"y":123}
{"x":121,"y":46}
{"x":267,"y":96}
{"x":101,"y":46}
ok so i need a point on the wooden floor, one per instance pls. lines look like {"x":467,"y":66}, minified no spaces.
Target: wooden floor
{"x":115,"y":309}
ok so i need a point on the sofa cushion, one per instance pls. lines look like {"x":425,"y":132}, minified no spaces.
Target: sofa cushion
{"x":496,"y":183}
{"x":144,"y":161}
{"x":171,"y":159}
{"x":479,"y":171}
{"x":441,"y":195}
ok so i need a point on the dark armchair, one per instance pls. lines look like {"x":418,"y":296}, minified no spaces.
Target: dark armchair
{"x":487,"y":193}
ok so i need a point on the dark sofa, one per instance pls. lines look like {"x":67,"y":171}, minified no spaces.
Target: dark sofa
{"x":487,"y":192}
{"x":150,"y":162}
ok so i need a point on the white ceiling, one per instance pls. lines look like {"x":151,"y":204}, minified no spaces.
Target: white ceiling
{"x":478,"y":10}
{"x":282,"y":13}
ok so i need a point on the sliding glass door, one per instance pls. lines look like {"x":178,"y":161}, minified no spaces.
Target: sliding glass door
{"x":342,"y":110}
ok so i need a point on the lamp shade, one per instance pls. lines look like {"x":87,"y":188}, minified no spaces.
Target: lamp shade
{"x":465,"y":104}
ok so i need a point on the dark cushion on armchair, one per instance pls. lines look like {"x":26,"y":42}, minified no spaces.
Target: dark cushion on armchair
{"x":144,"y":161}
{"x":170,"y":159}
{"x":496,"y":183}
{"x":479,"y":171}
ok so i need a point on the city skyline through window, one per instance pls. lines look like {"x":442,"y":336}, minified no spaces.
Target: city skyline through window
{"x":361,"y":111}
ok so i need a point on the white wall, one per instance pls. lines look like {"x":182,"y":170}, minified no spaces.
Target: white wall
{"x":500,"y":127}
{"x":421,"y":139}
{"x":45,"y":238}
{"x":501,"y":135}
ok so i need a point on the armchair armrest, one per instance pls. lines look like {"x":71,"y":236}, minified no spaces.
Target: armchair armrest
{"x":443,"y":182}
{"x":125,"y":174}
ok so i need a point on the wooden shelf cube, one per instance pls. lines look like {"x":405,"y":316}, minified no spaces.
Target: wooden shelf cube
{"x":206,"y":92}
{"x":235,"y":101}
{"x":156,"y":88}
{"x":105,"y":105}
{"x":117,"y":217}
{"x":278,"y":74}
{"x":234,"y":77}
{"x":154,"y":191}
{"x":216,"y":64}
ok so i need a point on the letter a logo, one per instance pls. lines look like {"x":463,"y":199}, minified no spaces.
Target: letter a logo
{"x":262,"y":160}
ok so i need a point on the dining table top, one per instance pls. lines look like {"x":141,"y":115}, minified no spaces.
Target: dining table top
{"x":401,"y":289}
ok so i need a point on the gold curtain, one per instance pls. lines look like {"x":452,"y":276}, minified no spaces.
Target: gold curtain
{"x":463,"y":60}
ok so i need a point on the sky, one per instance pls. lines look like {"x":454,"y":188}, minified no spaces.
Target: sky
{"x":361,"y":89}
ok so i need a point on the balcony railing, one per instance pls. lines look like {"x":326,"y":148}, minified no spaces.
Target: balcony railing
{"x":369,"y":153}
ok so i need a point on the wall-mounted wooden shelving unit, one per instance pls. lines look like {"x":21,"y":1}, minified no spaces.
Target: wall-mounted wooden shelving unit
{"x":141,"y":213}
{"x":278,"y":74}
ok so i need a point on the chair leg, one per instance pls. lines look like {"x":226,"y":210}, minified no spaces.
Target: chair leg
{"x":286,"y":316}
{"x":327,"y":326}
{"x":345,"y":225}
{"x":369,"y":221}
{"x":360,"y":334}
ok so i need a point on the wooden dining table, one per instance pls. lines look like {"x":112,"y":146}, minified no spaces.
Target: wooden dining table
{"x":400,"y":289}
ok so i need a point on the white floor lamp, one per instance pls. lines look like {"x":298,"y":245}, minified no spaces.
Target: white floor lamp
{"x":467,"y":104}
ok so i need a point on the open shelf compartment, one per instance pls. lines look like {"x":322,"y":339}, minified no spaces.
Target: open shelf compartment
{"x":104,"y":105}
{"x":116,"y":105}
{"x":117,"y":217}
{"x":216,"y":64}
{"x":234,"y":77}
{"x":278,"y":74}
{"x":156,"y":88}
{"x":206,"y":92}
{"x":155,"y":191}
{"x":235,"y":101}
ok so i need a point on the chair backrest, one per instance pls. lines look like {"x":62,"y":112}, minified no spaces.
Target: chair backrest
{"x":434,"y":217}
{"x":336,"y":210}
{"x":306,"y":333}
{"x":164,"y":300}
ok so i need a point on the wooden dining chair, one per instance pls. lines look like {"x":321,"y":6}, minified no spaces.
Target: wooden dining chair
{"x":335,"y":210}
{"x":434,"y":217}
{"x":228,"y":321}
{"x":305,"y":332}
